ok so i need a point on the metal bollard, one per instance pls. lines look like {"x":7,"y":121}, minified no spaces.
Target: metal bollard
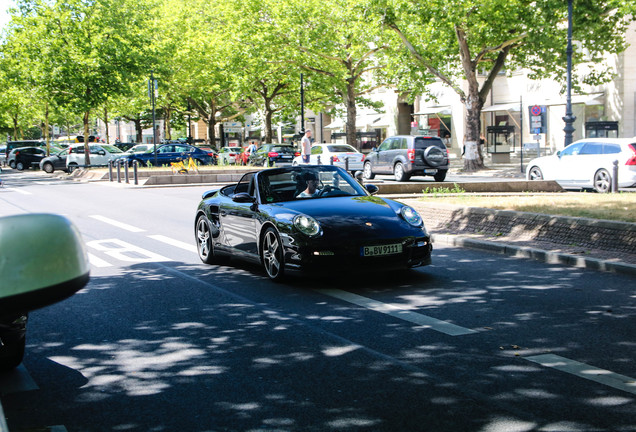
{"x":330,"y":160}
{"x":110,"y":171}
{"x":119,"y":171}
{"x":615,"y":176}
{"x":135,"y":167}
{"x":318,"y":160}
{"x":126,"y":171}
{"x":346,"y":163}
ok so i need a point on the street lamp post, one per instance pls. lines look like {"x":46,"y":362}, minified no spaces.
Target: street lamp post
{"x":569,"y":116}
{"x":302,"y":105}
{"x":152,"y":89}
{"x":189,"y":124}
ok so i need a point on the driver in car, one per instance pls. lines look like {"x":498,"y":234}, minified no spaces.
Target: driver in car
{"x":312,"y":186}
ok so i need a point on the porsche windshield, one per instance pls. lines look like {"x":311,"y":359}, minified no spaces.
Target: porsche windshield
{"x":306,"y":182}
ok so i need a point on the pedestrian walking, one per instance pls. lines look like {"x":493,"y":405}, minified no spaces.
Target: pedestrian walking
{"x":305,"y":146}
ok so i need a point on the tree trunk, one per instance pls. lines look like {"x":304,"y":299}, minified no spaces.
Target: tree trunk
{"x":268,"y":125}
{"x":138,"y":130}
{"x":350,"y":103}
{"x":472,"y":156}
{"x":106,"y":123}
{"x":167,"y":130}
{"x":46,"y":128}
{"x":87,"y":157}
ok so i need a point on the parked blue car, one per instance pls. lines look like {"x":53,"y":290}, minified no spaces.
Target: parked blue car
{"x":168,"y":153}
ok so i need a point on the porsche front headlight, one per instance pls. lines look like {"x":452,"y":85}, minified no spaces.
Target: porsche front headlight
{"x":307,"y":225}
{"x":411,"y":216}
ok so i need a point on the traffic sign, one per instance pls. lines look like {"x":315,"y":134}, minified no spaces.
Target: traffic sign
{"x":536,"y":110}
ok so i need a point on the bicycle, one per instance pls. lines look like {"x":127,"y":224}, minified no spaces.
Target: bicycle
{"x":182,"y":168}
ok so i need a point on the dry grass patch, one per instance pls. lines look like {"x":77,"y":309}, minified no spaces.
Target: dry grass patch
{"x":619,"y":207}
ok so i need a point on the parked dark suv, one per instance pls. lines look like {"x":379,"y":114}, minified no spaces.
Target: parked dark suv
{"x":405,"y":156}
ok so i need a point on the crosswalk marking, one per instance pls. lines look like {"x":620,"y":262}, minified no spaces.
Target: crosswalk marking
{"x":190,"y":247}
{"x":98,"y":262}
{"x":117,"y":223}
{"x":120,"y":250}
{"x":582,"y":370}
{"x":18,"y":190}
{"x":399,"y":312}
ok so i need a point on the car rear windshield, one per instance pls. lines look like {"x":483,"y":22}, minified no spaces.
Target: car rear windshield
{"x":341,"y":149}
{"x":283,"y":149}
{"x":424,"y":142}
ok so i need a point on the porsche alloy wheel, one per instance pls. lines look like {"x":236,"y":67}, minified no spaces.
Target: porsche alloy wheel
{"x":204,"y":240}
{"x":272,"y":255}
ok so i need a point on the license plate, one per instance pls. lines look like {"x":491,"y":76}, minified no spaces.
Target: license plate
{"x":389,"y":249}
{"x":286,"y":157}
{"x":430,"y":171}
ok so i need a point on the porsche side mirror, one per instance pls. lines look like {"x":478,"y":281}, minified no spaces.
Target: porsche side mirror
{"x":372,"y":189}
{"x":243,"y":197}
{"x":42,"y":261}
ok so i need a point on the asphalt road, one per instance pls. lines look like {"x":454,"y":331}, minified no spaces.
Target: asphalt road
{"x":160,"y":342}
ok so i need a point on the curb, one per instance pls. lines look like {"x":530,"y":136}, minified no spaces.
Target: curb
{"x":541,"y":255}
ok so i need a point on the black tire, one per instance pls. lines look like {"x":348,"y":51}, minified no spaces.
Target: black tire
{"x":19,"y":166}
{"x":398,"y":172}
{"x":12,"y":164}
{"x":535,"y":173}
{"x":48,"y":167}
{"x":368,"y":171}
{"x":435,"y":156}
{"x":12,"y":354}
{"x":272,"y":255}
{"x":602,"y":181}
{"x":203,"y":237}
{"x":440,"y":176}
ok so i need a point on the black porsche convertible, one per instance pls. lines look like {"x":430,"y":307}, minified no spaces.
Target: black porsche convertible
{"x":309,"y":218}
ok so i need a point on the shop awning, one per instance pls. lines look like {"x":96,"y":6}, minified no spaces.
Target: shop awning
{"x":514,"y":106}
{"x":442,"y":109}
{"x":336,"y":124}
{"x":362,"y":121}
{"x":373,"y":120}
{"x":588,"y":99}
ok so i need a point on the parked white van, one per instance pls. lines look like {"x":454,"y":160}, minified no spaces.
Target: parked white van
{"x":100,"y":154}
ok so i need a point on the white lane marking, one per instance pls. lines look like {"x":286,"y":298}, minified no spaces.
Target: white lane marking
{"x":398,"y":312}
{"x":117,"y":223}
{"x":17,"y":380}
{"x":186,"y":246}
{"x":98,"y":262}
{"x":582,"y":370}
{"x":123,"y":251}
